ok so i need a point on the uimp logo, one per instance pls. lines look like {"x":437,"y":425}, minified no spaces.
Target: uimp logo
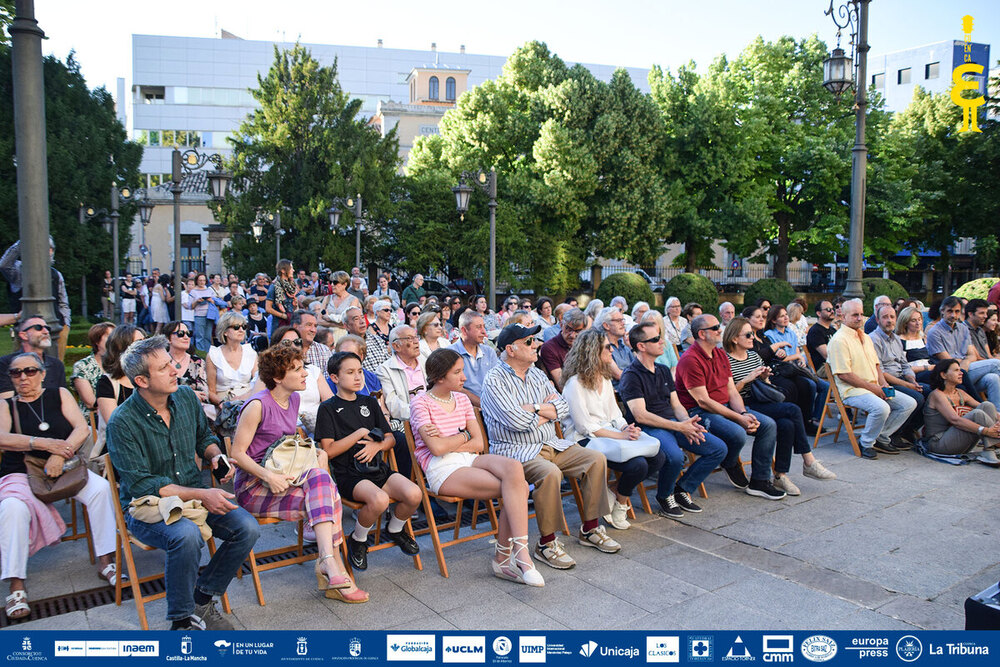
{"x":818,"y":648}
{"x":778,"y":648}
{"x":410,"y":647}
{"x":463,"y":649}
{"x":587,"y":650}
{"x":502,"y":646}
{"x":700,"y":648}
{"x":663,"y":649}
{"x":909,"y":648}
{"x":531,"y":649}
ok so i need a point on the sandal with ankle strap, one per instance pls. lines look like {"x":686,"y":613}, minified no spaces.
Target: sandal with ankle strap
{"x":514,"y":569}
{"x":327,"y":582}
{"x":17,"y":605}
{"x":110,"y":574}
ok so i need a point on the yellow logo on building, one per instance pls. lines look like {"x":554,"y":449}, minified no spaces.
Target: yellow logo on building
{"x":970,"y":105}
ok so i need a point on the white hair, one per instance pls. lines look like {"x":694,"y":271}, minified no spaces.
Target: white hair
{"x":724,"y":304}
{"x":619,"y":302}
{"x":670,"y":301}
{"x":604,"y":316}
{"x":639,"y":305}
{"x":593,"y":308}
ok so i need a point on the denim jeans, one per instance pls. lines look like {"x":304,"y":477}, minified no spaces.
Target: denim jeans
{"x":822,"y":387}
{"x":791,"y":431}
{"x":884,"y":417}
{"x":735,"y":436}
{"x":983,"y":375}
{"x":710,"y":454}
{"x":916,"y":419}
{"x":635,"y":470}
{"x":237,"y":529}
{"x":202,"y":333}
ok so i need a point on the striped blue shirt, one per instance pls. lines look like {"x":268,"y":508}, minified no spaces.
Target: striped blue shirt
{"x":513,"y":431}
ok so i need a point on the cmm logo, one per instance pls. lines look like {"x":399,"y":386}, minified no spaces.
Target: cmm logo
{"x":778,"y":648}
{"x":970,"y":105}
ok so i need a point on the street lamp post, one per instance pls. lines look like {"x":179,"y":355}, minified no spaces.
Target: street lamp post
{"x":837,"y":77}
{"x":487,"y":182}
{"x":355,"y":205}
{"x":189,"y":162}
{"x":273,"y":219}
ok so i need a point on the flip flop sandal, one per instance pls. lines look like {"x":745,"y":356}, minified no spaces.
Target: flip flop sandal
{"x":17,"y":605}
{"x":110,"y":573}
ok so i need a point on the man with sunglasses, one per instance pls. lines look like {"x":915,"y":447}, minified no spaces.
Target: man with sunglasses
{"x":820,"y":333}
{"x":520,"y":407}
{"x":33,"y":336}
{"x":705,"y":387}
{"x":553,"y":353}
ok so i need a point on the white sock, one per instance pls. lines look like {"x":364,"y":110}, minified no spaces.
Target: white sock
{"x":361,"y":532}
{"x":396,"y":524}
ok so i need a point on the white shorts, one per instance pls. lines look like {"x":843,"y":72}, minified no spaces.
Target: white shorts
{"x":128,"y":305}
{"x":440,"y":467}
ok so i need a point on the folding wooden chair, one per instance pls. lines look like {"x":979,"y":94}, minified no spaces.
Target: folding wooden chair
{"x":73,"y":528}
{"x":455,"y":524}
{"x":834,"y":398}
{"x":123,"y":548}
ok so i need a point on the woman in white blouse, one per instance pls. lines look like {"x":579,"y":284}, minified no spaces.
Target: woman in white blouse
{"x":596,"y":421}
{"x":431,"y":333}
{"x":231,"y":366}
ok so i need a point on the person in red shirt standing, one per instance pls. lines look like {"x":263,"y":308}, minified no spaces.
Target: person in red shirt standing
{"x":705,"y":387}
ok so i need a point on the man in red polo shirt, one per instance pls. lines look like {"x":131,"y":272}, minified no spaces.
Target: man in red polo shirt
{"x":553,"y":353}
{"x":705,"y":387}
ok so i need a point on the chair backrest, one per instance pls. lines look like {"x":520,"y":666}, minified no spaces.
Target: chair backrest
{"x":482,"y":425}
{"x":809,"y":358}
{"x":417,"y":472}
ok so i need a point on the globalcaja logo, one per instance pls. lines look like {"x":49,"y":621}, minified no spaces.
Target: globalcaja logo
{"x":869,"y":647}
{"x":354,"y":647}
{"x":970,"y":105}
{"x":663,"y":649}
{"x":410,"y":647}
{"x":778,"y":648}
{"x":700,"y":648}
{"x":531,"y":649}
{"x":587,"y":650}
{"x":463,"y":649}
{"x":502,"y":646}
{"x":909,"y":648}
{"x":738,"y":652}
{"x":818,"y":648}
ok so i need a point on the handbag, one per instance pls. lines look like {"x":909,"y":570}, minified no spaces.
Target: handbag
{"x":764,"y":392}
{"x":374,"y":465}
{"x":291,"y":455}
{"x":50,"y":489}
{"x":619,"y":451}
{"x":787,"y":369}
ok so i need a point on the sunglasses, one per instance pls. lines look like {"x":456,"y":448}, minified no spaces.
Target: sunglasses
{"x":239,"y":326}
{"x":715,"y":328}
{"x":297,"y":342}
{"x":654,"y":339}
{"x":38,"y":327}
{"x":748,"y":336}
{"x":385,"y":310}
{"x":413,"y":312}
{"x":530,"y":340}
{"x":182,"y":334}
{"x":31,"y":372}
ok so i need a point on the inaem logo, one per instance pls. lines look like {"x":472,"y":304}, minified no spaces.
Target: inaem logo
{"x":970,"y":105}
{"x":587,"y":650}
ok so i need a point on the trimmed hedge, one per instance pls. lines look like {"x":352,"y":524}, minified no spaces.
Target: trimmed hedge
{"x":873,"y":287}
{"x":976,"y":289}
{"x":630,"y":285}
{"x":695,"y":287}
{"x":777,"y":291}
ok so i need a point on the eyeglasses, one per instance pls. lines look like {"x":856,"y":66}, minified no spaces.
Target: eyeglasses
{"x":654,"y":339}
{"x":827,"y":310}
{"x":31,"y":372}
{"x":715,"y":328}
{"x":38,"y":327}
{"x":182,"y":334}
{"x":616,"y":319}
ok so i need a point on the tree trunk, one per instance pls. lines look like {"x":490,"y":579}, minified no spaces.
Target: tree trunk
{"x":781,"y":250}
{"x":690,"y":255}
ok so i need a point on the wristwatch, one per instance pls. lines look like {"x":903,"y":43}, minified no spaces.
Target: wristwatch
{"x":536,"y":407}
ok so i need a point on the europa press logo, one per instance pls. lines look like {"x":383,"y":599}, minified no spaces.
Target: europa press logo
{"x":818,"y":648}
{"x":909,"y":648}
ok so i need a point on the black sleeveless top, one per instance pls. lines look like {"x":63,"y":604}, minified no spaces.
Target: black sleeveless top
{"x":59,"y":426}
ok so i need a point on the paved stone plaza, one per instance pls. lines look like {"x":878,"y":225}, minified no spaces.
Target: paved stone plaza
{"x":897,"y":543}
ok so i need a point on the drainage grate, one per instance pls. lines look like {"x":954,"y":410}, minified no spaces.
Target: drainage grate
{"x":79,"y":601}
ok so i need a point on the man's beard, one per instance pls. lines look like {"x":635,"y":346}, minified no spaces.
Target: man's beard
{"x":44,"y":343}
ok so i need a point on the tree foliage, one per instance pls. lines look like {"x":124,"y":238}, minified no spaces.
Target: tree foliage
{"x":87,"y":151}
{"x":300,"y":150}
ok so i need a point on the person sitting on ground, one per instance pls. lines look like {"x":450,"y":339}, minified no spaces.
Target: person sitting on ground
{"x":898,"y":373}
{"x":354,"y":433}
{"x":431,"y":333}
{"x":266,"y":417}
{"x":673,"y":322}
{"x":114,"y":387}
{"x":748,"y":367}
{"x":449,"y":446}
{"x":954,"y":421}
{"x":47,"y":425}
{"x":231,"y":366}
{"x":89,"y":370}
{"x":705,"y":387}
{"x":647,"y":389}
{"x":154,"y":439}
{"x":596,"y":422}
{"x":519,"y":407}
{"x":33,"y":335}
{"x":689,"y":312}
{"x":611,"y":322}
{"x":861,"y":383}
{"x":553,"y":353}
{"x":477,"y":357}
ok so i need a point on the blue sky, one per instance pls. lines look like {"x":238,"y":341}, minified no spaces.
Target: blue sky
{"x":637,"y":33}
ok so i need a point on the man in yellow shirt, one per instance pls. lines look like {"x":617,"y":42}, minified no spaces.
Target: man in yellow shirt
{"x":854,"y":363}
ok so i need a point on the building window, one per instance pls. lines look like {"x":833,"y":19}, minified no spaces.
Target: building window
{"x":932,"y":70}
{"x":878,"y":80}
{"x":449,"y":89}
{"x":151,"y":94}
{"x":903,"y":76}
{"x":432,"y":88}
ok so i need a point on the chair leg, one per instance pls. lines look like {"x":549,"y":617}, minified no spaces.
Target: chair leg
{"x":458,"y":518}
{"x":255,"y":576}
{"x":90,"y":537}
{"x":435,"y":538}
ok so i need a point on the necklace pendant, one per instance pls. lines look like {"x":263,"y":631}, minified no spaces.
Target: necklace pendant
{"x":43,"y":426}
{"x":177,"y":365}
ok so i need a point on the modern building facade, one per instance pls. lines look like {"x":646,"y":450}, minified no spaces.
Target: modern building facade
{"x":895,"y":75}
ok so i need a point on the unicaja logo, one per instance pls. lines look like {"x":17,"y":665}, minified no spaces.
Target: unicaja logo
{"x":588,"y":649}
{"x":970,"y":105}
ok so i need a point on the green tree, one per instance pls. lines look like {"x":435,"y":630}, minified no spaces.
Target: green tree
{"x":304,"y":147}
{"x":6,"y":18}
{"x":88,"y":150}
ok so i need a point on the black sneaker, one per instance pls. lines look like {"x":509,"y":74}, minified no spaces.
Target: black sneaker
{"x":358,"y":553}
{"x":669,"y":508}
{"x":405,"y":543}
{"x":683,"y":499}
{"x":737,"y":476}
{"x":207,"y":617}
{"x":762,"y":488}
{"x":885,"y":447}
{"x":869,"y":453}
{"x":901,"y":442}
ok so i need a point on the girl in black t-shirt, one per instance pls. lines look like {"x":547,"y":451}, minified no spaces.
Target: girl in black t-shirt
{"x":344,"y":426}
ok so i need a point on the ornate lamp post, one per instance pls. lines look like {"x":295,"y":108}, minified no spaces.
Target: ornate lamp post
{"x":355,"y":205}
{"x":189,"y":162}
{"x":853,"y":14}
{"x":487,"y":182}
{"x":274,"y":219}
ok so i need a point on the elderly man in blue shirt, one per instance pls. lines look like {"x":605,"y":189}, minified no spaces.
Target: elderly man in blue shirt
{"x":611,"y":321}
{"x":477,"y":357}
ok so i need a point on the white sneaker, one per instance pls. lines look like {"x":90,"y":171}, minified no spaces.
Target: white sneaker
{"x":618,"y":517}
{"x":786,"y":484}
{"x":598,"y":539}
{"x":818,"y":471}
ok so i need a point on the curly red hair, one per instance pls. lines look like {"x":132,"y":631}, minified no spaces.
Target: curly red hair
{"x":275,"y":361}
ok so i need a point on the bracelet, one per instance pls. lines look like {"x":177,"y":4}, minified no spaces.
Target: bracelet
{"x":31,"y":443}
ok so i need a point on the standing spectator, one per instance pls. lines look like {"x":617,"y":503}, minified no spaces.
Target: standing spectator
{"x":128,"y":295}
{"x":159,"y":308}
{"x":477,"y":358}
{"x":415,"y":290}
{"x":187,"y":311}
{"x":553,"y":352}
{"x":200,"y":297}
{"x":280,"y":301}
{"x":383,"y":291}
{"x":107,"y":296}
{"x":10,"y":267}
{"x":33,"y":335}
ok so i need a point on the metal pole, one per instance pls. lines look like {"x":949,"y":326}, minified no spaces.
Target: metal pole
{"x":114,"y":245}
{"x":32,"y":165}
{"x":84,"y":308}
{"x":859,"y":161}
{"x":277,"y":236}
{"x":493,"y":237}
{"x":357,"y":231}
{"x":175,"y":189}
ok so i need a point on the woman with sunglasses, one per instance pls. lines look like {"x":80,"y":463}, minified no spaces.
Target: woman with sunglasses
{"x":114,"y":386}
{"x":509,"y":306}
{"x":747,"y":367}
{"x":316,"y":390}
{"x":377,"y":336}
{"x":44,"y":423}
{"x":190,"y":367}
{"x":431,"y":333}
{"x":230,"y":366}
{"x":411,"y":313}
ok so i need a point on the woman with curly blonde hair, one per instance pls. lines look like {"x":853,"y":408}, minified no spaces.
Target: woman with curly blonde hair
{"x":596,"y":421}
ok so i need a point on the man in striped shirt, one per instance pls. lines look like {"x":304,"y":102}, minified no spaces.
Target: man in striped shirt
{"x":520,"y":407}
